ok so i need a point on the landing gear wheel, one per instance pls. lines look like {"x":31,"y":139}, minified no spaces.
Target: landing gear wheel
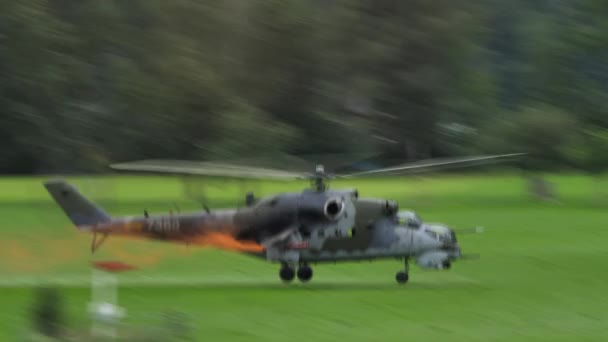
{"x":446,"y":265}
{"x":287,"y":273}
{"x":304,"y":273}
{"x":402,"y":277}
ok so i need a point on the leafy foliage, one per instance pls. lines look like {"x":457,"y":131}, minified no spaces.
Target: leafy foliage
{"x":86,"y":83}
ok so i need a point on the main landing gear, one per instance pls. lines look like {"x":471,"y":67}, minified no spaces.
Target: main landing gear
{"x":403,"y":276}
{"x":287,"y":273}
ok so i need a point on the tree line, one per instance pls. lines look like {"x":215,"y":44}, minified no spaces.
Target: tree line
{"x":87,"y":83}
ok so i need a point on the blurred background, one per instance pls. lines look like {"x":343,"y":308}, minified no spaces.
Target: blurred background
{"x":86,"y":83}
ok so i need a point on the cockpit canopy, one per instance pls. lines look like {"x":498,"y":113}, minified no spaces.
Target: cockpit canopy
{"x":440,"y":232}
{"x":437,"y":231}
{"x":409,"y":219}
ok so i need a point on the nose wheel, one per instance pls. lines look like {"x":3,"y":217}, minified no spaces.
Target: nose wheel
{"x":403,"y":276}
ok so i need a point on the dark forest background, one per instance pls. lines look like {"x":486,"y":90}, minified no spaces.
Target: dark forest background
{"x":87,"y":83}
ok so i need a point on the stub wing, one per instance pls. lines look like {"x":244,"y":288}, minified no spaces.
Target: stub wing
{"x":279,"y":239}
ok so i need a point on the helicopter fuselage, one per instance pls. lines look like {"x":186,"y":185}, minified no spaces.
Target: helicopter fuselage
{"x":290,"y":228}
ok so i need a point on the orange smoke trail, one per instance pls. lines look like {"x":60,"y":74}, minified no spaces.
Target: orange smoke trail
{"x":226,"y":241}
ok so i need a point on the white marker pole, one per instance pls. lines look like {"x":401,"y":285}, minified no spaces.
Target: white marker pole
{"x":104,"y":309}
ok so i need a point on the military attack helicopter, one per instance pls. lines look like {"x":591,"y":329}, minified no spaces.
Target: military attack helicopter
{"x":295,"y":229}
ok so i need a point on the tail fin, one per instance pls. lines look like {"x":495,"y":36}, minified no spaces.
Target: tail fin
{"x":80,"y":210}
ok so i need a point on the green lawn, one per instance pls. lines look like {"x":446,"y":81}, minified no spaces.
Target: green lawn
{"x":540,"y":276}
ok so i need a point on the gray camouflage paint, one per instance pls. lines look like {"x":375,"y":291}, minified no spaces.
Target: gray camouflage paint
{"x":360,"y":229}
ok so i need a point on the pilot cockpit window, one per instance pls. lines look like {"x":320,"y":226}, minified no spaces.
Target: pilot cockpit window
{"x":438,"y":234}
{"x":433,"y":234}
{"x":409,"y":219}
{"x":413,"y":223}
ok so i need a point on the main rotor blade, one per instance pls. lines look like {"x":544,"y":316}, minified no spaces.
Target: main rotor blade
{"x":432,"y":164}
{"x":205,"y":169}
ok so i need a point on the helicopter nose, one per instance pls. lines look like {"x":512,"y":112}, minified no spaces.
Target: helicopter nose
{"x":452,"y":245}
{"x":453,"y":237}
{"x":457,"y":252}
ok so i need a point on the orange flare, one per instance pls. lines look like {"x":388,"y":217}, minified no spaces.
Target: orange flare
{"x":226,"y":241}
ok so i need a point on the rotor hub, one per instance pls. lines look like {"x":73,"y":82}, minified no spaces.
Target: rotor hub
{"x":319,"y":179}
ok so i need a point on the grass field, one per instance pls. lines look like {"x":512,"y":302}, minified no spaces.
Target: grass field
{"x":541,"y":276}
